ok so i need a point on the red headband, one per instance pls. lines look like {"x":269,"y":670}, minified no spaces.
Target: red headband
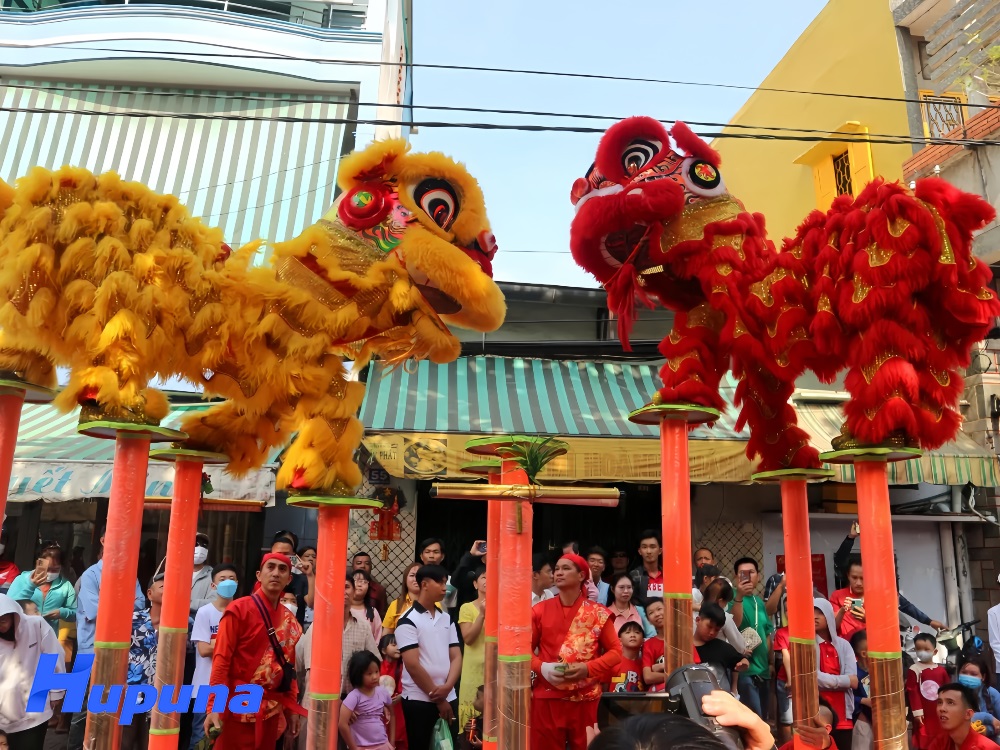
{"x":579,"y":562}
{"x":275,"y":556}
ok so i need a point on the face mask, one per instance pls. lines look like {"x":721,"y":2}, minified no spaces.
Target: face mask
{"x":200,"y":555}
{"x":969,"y":681}
{"x":226,"y":589}
{"x":291,"y":607}
{"x":925,"y":656}
{"x":50,"y":576}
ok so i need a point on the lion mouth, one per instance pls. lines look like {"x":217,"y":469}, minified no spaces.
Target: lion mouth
{"x":440,"y":301}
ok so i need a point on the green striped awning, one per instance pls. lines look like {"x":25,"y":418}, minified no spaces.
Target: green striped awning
{"x":498,"y":395}
{"x":254,"y":179}
{"x":585,"y":399}
{"x":46,"y":434}
{"x":956,"y":463}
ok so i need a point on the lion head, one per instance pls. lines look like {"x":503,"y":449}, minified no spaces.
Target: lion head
{"x":639,"y":208}
{"x":429,"y":212}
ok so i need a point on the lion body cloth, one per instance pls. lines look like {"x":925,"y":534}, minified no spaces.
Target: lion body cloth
{"x":122,"y":286}
{"x":884,"y":285}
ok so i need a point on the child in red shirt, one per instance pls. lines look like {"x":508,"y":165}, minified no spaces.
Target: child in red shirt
{"x":628,"y":673}
{"x":392,"y":666}
{"x":923,"y":681}
{"x":653,"y":674}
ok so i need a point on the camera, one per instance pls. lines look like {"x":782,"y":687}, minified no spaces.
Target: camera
{"x":684,"y":689}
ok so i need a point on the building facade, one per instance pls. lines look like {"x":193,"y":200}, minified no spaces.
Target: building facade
{"x":242,"y":110}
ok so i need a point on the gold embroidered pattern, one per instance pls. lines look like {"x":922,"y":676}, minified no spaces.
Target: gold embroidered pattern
{"x":704,"y":316}
{"x":947,"y":252}
{"x":861,"y":290}
{"x":762,"y":289}
{"x":674,"y":363}
{"x":823,"y":305}
{"x":898,"y":226}
{"x":942,"y":377}
{"x":734,"y":241}
{"x":724,"y":269}
{"x":674,"y":337}
{"x":690,"y":225}
{"x":870,"y":413}
{"x":739,"y":329}
{"x":878,"y":256}
{"x":871,"y":368}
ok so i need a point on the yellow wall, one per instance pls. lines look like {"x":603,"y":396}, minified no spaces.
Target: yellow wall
{"x":850,"y":47}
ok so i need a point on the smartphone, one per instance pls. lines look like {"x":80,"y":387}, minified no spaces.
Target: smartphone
{"x":294,"y":559}
{"x":481,"y":548}
{"x":42,"y":564}
{"x":744,"y":576}
{"x":855,"y":528}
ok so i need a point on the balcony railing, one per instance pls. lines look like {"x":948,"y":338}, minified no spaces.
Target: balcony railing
{"x":338,"y":14}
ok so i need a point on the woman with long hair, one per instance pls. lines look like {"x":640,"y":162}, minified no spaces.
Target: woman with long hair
{"x":620,"y":601}
{"x":977,"y":674}
{"x":407,"y":595}
{"x":471,"y":618}
{"x":364,"y":604}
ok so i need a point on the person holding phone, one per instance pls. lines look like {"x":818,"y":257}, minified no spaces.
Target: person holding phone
{"x":750,"y":612}
{"x":45,"y":585}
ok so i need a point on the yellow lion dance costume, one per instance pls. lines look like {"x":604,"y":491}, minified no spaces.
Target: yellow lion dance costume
{"x":122,"y":286}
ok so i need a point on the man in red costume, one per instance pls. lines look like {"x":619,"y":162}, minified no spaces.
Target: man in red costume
{"x":575,"y":649}
{"x":245,"y":654}
{"x":956,"y":706}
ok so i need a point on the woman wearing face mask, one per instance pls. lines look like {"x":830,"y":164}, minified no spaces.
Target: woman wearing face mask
{"x":45,"y":585}
{"x":923,"y":680}
{"x":202,"y":592}
{"x":977,"y":675}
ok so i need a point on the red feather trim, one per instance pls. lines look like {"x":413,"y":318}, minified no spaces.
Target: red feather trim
{"x":692,"y":145}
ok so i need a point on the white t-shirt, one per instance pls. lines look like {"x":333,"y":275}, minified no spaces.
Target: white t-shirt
{"x":434,"y":634}
{"x":206,"y":627}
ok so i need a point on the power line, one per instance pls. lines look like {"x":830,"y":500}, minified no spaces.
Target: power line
{"x":394,"y":105}
{"x":518,"y":71}
{"x":524,"y":127}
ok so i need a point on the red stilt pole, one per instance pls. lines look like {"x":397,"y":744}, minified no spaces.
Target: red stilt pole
{"x":675,"y":507}
{"x":799,"y":590}
{"x":490,"y":730}
{"x":11,"y":404}
{"x":328,"y":625}
{"x":173,"y":631}
{"x":514,"y":626}
{"x":113,"y":634}
{"x":885,"y":657}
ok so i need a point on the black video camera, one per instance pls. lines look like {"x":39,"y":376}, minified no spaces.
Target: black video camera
{"x":685,"y":688}
{"x":682,"y":695}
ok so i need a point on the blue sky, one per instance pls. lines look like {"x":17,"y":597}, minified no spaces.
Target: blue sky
{"x":527,"y":176}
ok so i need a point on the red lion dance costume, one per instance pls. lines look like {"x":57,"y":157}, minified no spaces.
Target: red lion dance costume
{"x":884,"y":284}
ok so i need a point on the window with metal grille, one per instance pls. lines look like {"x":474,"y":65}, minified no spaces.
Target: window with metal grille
{"x":842,"y":174}
{"x":941,"y":114}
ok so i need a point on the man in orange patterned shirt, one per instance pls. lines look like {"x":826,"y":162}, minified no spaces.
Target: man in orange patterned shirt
{"x":577,"y":649}
{"x":245,"y":654}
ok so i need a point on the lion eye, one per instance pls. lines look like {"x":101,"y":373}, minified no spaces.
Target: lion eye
{"x":638,"y":154}
{"x":439,"y":200}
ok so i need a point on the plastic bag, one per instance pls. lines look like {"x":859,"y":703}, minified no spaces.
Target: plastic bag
{"x":441,"y":737}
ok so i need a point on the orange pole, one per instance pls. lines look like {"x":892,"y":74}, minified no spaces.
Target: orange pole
{"x":325,"y":678}
{"x":675,"y":507}
{"x":514,"y":624}
{"x":113,"y":630}
{"x":492,"y":618}
{"x":10,"y":419}
{"x":173,"y":631}
{"x":881,"y":606}
{"x":799,"y":590}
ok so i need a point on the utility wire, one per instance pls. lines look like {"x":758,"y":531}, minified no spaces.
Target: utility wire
{"x":273,"y":100}
{"x":519,"y":71}
{"x":525,"y":127}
